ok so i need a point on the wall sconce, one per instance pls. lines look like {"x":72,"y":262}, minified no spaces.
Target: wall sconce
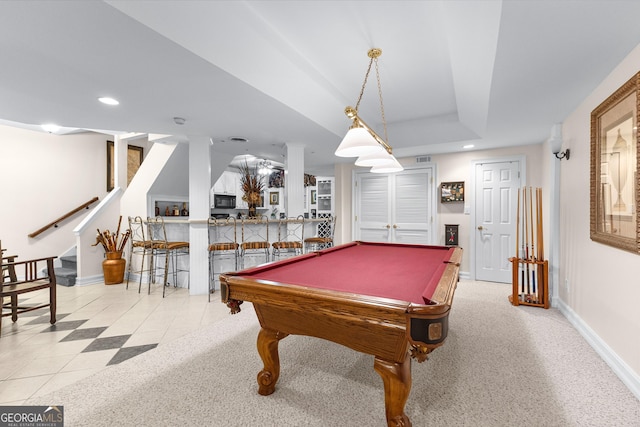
{"x":361,"y":140}
{"x":563,"y":154}
{"x":555,"y":141}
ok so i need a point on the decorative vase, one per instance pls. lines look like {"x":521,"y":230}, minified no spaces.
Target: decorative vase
{"x":113,"y":268}
{"x":252,"y":211}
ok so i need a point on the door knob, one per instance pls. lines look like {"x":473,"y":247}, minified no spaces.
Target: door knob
{"x":388,"y":226}
{"x":395,"y":226}
{"x":480,"y":227}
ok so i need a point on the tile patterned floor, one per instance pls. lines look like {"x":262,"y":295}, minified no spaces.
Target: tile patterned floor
{"x":96,"y":326}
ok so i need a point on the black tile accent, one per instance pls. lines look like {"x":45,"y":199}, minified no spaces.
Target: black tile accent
{"x":106,"y":343}
{"x":65,"y":326}
{"x":83,"y":334}
{"x":129,"y":352}
{"x":43,"y":318}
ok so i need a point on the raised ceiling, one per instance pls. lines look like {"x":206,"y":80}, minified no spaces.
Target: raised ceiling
{"x":488,"y":73}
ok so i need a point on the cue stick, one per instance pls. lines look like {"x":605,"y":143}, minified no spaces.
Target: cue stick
{"x":517,"y":240}
{"x":526,"y":239}
{"x":540,"y":229}
{"x":540,"y":242}
{"x":533,"y":256}
{"x":524,"y":252}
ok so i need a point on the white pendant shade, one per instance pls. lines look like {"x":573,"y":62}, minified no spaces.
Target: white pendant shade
{"x":393,"y":166}
{"x":357,"y":142}
{"x":379,"y":158}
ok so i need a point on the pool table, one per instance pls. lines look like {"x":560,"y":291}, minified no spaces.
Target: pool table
{"x":385,"y":299}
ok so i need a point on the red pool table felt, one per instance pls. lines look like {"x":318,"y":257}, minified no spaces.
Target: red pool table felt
{"x":398,"y":271}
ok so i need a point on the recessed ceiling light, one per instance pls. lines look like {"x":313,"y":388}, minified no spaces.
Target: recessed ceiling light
{"x":466,"y":147}
{"x":50,"y":127}
{"x":238,"y":139}
{"x":109,"y":101}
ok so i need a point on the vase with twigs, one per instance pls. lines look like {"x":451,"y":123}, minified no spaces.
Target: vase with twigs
{"x":113,"y":244}
{"x":252,"y":186}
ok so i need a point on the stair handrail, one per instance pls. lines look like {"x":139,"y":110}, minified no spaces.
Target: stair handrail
{"x":63,"y":217}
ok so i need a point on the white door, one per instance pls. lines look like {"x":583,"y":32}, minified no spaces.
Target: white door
{"x":373,"y":208}
{"x":394,"y":208}
{"x":411,"y":218}
{"x":496,"y":195}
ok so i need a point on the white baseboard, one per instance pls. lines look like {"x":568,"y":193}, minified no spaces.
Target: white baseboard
{"x":90,"y":280}
{"x":619,"y":367}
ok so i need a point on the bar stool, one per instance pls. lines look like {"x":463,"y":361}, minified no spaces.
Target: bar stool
{"x":324,"y":236}
{"x":170,"y":250}
{"x":223,"y":245}
{"x":290,"y":237}
{"x":255,"y":238}
{"x":140,"y":246}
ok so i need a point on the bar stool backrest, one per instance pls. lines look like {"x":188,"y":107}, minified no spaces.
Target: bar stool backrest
{"x":255,"y":230}
{"x":223,"y":232}
{"x":157,"y":232}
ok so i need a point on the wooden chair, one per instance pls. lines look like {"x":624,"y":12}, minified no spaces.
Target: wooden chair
{"x":290,"y":237}
{"x":324,"y":235}
{"x":163,"y":247}
{"x":223,"y":245}
{"x":8,"y":274}
{"x":26,"y":276}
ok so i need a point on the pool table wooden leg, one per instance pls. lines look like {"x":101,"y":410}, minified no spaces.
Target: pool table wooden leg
{"x":268,"y":349}
{"x":397,"y":385}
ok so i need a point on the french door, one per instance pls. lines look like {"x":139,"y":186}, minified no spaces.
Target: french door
{"x":397,"y":207}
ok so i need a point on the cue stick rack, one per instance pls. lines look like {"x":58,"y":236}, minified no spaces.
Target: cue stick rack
{"x":530,"y":271}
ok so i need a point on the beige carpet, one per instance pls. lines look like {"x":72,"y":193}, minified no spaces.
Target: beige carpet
{"x":501,"y":366}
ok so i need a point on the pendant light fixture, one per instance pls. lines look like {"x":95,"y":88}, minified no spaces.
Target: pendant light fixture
{"x":361,"y":140}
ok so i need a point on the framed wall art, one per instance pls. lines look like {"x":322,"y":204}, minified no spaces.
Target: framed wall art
{"x":451,"y":234}
{"x":135,"y":156}
{"x":452,"y":192}
{"x":274,"y":198}
{"x":614,"y":169}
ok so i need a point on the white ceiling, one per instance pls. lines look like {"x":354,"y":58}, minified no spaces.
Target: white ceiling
{"x":491,"y":73}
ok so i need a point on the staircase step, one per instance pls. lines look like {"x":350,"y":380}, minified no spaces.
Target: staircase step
{"x":66,"y":276}
{"x":70,"y":262}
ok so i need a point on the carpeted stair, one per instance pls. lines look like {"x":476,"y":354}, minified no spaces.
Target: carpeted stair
{"x":66,"y":275}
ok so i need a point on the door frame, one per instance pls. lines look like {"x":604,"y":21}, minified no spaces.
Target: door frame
{"x":434,"y":196}
{"x":522,"y":159}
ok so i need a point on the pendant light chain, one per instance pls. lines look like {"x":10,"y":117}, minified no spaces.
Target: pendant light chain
{"x":366,"y":77}
{"x":384,"y":121}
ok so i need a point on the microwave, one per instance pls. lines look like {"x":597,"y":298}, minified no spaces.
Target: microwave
{"x":224,"y":201}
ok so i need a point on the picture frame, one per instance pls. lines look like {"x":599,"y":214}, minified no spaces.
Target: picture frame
{"x":135,"y":155}
{"x":614,"y":184}
{"x":451,"y":234}
{"x":452,"y":192}
{"x":274,"y":198}
{"x":313,"y":197}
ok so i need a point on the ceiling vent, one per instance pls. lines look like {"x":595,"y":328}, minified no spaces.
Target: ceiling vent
{"x":423,"y":159}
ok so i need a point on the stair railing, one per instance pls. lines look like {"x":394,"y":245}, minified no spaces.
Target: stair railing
{"x":63,"y":217}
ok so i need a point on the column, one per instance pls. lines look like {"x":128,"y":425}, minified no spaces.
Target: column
{"x":120,"y":155}
{"x":199,"y":211}
{"x":294,"y":180}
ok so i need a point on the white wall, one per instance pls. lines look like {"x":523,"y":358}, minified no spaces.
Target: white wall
{"x":599,"y":284}
{"x":39,"y":183}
